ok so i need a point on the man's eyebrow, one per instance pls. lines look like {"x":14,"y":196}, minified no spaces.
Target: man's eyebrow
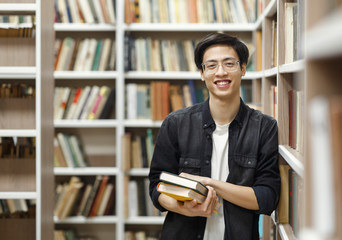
{"x":225,"y":59}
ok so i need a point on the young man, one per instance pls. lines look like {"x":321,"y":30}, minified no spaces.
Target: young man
{"x":229,"y":147}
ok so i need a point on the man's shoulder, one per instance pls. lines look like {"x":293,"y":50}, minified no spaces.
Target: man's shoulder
{"x":196,"y":108}
{"x":257,"y":115}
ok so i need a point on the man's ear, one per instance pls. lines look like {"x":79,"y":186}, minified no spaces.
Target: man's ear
{"x":202,"y":76}
{"x":243,"y":69}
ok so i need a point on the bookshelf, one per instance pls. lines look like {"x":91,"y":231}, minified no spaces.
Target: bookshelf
{"x":321,"y":25}
{"x":99,"y":137}
{"x":107,"y":133}
{"x":27,"y":178}
{"x":271,"y":71}
{"x":279,"y":76}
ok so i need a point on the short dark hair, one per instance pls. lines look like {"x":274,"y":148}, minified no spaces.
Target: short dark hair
{"x":221,"y":39}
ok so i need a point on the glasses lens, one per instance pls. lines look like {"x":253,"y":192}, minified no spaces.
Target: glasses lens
{"x":228,"y":66}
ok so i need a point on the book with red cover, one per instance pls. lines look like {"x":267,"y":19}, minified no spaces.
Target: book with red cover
{"x":99,"y":195}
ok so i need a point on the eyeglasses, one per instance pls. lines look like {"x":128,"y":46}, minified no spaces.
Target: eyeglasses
{"x":230,"y":65}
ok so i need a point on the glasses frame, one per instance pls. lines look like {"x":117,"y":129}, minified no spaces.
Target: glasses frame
{"x":221,"y":64}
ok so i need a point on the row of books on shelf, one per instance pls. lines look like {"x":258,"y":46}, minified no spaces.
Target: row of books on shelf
{"x":137,"y":150}
{"x":17,"y":208}
{"x":273,"y":94}
{"x":17,"y":147}
{"x":85,"y":11}
{"x":296,"y":115}
{"x":17,"y":90}
{"x":87,"y":199}
{"x":138,"y":201}
{"x":17,"y":19}
{"x":296,"y":120}
{"x":68,"y":151}
{"x":143,"y":101}
{"x":142,"y":235}
{"x":70,"y":234}
{"x":150,"y":54}
{"x":294,"y":31}
{"x":22,"y":26}
{"x":17,"y":31}
{"x":157,"y":99}
{"x":147,"y":54}
{"x":192,"y":11}
{"x":246,"y":93}
{"x":274,"y":43}
{"x":89,"y":102}
{"x":88,"y":54}
{"x":289,"y":208}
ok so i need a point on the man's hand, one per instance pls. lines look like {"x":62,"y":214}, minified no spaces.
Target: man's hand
{"x":205,"y":209}
{"x":204,"y":180}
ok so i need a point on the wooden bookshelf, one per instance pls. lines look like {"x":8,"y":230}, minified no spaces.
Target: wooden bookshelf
{"x":28,"y":61}
{"x":278,"y":78}
{"x":321,"y":63}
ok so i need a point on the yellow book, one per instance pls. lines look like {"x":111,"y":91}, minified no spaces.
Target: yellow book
{"x":182,"y":194}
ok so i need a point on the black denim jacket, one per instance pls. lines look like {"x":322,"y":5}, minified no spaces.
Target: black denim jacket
{"x":184,"y":144}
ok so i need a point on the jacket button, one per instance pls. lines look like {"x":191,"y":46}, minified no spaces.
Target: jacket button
{"x":205,"y":125}
{"x":208,"y":136}
{"x":186,"y":163}
{"x":199,"y":236}
{"x":207,"y":162}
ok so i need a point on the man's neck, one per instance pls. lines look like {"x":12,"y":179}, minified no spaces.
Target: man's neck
{"x":224,"y":111}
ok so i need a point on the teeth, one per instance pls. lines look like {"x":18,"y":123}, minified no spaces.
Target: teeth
{"x":222,"y":83}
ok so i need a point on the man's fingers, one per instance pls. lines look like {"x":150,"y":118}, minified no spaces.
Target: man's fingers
{"x":190,"y":204}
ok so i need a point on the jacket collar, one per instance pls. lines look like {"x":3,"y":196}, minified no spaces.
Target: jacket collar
{"x":241,"y":115}
{"x":208,"y":120}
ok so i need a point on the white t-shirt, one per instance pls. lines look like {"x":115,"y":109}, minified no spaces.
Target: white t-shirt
{"x":219,"y":170}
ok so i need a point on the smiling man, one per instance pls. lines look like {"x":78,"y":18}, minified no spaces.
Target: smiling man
{"x":224,"y":144}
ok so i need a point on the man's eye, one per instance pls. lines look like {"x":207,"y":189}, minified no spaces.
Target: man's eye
{"x":211,"y":66}
{"x":229,"y":64}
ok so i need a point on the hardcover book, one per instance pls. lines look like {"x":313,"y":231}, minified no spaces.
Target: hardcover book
{"x":182,"y":193}
{"x":174,"y":179}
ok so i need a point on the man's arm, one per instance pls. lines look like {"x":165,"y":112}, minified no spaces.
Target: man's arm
{"x":165,"y":158}
{"x":238,"y":195}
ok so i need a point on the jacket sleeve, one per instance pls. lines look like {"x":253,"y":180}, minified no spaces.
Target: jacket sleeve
{"x":267,"y":181}
{"x":165,"y":157}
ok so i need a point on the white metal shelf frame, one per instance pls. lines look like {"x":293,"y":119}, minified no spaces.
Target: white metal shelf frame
{"x":75,"y":123}
{"x":85,"y":75}
{"x":17,"y":72}
{"x":18,"y":195}
{"x":145,"y":220}
{"x":86,"y":171}
{"x":84,"y":27}
{"x":18,"y":8}
{"x":85,"y":220}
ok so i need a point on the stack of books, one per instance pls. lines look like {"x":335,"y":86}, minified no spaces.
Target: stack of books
{"x":182,"y":188}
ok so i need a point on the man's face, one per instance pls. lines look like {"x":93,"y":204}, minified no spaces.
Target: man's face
{"x":223,"y":83}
